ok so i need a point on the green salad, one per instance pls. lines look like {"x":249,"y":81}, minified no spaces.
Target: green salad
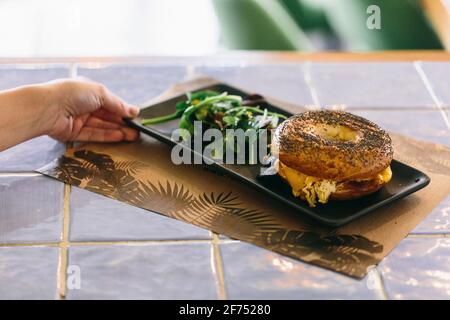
{"x":221,"y":111}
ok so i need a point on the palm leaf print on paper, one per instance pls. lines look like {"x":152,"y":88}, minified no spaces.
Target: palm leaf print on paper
{"x":131,"y":167}
{"x":222,"y":213}
{"x":348,"y":254}
{"x":165,"y":198}
{"x":98,"y":173}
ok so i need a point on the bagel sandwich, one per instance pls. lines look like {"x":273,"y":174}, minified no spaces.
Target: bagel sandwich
{"x":328,"y":154}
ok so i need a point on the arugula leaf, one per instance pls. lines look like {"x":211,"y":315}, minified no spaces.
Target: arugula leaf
{"x":202,"y":95}
{"x":231,"y":121}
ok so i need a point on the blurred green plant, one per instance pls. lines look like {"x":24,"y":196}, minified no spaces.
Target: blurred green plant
{"x":286,"y":24}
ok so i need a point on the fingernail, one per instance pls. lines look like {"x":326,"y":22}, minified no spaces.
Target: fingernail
{"x":133,"y":111}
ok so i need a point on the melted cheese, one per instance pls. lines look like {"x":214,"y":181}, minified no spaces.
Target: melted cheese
{"x":382,"y":177}
{"x":315,"y":189}
{"x":385,"y":175}
{"x":306,"y":187}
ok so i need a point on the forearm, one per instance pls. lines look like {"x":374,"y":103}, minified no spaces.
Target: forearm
{"x":23,"y":114}
{"x":66,"y":110}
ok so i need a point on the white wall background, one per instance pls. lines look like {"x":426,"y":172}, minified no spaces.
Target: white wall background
{"x":43,"y":28}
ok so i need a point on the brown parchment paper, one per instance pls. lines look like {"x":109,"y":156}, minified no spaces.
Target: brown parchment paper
{"x":142,"y":174}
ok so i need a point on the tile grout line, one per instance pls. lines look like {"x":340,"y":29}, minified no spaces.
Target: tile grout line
{"x":439,"y":105}
{"x":308,"y":79}
{"x":30,"y":244}
{"x":190,"y":72}
{"x":64,"y":240}
{"x":73,"y":70}
{"x":428,"y":235}
{"x":63,"y":245}
{"x":20,"y":174}
{"x":381,"y":285}
{"x":138,"y":242}
{"x":217,"y":266}
{"x":118,"y":242}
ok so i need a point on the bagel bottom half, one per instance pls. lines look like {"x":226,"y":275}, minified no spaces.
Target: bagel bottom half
{"x":313,"y":189}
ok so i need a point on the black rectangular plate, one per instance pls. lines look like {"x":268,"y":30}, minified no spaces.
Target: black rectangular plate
{"x":405,"y":179}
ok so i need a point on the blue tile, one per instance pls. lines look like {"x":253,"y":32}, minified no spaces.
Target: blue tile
{"x":418,"y":124}
{"x":28,"y":273}
{"x":143,"y":272}
{"x":438,"y":221}
{"x":282,"y":82}
{"x":14,"y":75}
{"x":438,"y":73}
{"x":31,"y":155}
{"x":31,"y":209}
{"x":98,"y":218}
{"x":373,"y":84}
{"x":419,"y":268}
{"x":255,"y":273}
{"x":136,"y":84}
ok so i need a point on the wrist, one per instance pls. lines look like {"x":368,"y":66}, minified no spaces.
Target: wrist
{"x":27,"y":112}
{"x":46,"y":109}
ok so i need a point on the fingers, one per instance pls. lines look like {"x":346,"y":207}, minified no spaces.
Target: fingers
{"x":114,"y":104}
{"x":83,"y":95}
{"x":95,"y":122}
{"x":108,"y":116}
{"x":89,"y":134}
{"x":90,"y":112}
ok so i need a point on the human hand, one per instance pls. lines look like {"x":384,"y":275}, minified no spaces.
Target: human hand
{"x":81,"y":110}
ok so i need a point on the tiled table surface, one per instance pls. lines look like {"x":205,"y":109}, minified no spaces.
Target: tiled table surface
{"x":51,"y":233}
